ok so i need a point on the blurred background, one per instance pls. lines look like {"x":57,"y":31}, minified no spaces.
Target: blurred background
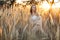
{"x":14,"y":16}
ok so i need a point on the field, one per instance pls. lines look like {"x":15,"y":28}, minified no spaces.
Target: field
{"x":14,"y":20}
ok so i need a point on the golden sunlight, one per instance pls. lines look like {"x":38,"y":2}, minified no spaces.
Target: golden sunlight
{"x":45,"y":5}
{"x":19,"y":1}
{"x":56,"y":5}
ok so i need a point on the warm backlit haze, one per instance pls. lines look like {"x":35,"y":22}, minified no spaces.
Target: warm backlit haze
{"x":14,"y":20}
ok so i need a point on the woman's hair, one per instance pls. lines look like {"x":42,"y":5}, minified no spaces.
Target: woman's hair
{"x":31,"y":8}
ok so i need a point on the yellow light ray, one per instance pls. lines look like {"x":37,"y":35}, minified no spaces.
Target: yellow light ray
{"x":19,"y":1}
{"x":56,"y":5}
{"x":45,"y":5}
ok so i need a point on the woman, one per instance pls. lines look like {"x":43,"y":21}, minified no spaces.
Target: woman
{"x":34,"y":28}
{"x":35,"y":20}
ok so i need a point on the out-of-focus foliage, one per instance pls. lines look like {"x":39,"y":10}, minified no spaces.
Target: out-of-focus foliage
{"x":14,"y":20}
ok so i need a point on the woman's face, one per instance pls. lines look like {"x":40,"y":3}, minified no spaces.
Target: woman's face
{"x":33,"y":8}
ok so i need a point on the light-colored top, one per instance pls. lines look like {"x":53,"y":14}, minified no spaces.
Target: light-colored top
{"x":35,"y":23}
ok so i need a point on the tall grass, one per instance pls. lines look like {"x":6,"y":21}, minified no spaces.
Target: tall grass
{"x":14,"y":25}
